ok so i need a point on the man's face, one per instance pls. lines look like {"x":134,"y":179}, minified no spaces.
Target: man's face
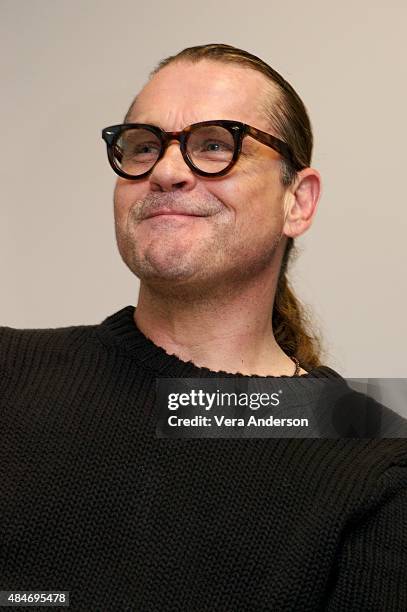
{"x":238,"y":218}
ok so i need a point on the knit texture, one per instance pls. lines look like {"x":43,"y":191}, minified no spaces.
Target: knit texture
{"x":93,"y":503}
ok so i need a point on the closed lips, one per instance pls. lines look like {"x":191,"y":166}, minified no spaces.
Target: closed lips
{"x":172,"y":212}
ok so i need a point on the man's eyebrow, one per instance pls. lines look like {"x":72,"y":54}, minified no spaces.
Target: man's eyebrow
{"x":154,"y":123}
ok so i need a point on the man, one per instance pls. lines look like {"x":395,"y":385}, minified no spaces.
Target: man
{"x":93,"y":502}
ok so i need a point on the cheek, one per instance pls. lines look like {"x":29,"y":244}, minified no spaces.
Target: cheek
{"x":122,"y":204}
{"x":250,"y":198}
{"x":120,"y":196}
{"x":234,"y":191}
{"x":124,"y":197}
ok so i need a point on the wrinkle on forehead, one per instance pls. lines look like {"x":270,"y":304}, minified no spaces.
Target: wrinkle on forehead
{"x":183,"y":93}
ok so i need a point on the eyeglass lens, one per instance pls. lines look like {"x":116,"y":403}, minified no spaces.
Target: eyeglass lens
{"x":210,"y":148}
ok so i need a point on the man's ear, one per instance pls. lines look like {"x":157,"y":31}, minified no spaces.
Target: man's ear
{"x":300,"y":202}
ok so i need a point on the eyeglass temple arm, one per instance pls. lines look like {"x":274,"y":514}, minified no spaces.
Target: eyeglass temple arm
{"x":275,"y":143}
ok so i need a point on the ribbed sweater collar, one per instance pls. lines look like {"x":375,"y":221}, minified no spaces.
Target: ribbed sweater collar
{"x":121,"y":331}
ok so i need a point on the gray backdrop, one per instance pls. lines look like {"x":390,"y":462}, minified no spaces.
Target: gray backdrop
{"x":69,"y":68}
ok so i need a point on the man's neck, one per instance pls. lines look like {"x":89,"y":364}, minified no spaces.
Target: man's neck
{"x":233,"y":333}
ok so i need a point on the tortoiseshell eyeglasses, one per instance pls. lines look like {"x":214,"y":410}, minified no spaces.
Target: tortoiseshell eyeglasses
{"x":209,"y":148}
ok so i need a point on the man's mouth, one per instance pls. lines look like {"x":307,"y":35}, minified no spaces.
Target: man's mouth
{"x":179,"y":213}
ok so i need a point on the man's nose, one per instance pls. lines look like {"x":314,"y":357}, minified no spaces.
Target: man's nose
{"x":171,"y":171}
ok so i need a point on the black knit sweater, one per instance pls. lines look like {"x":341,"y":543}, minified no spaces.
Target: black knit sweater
{"x":93,"y":503}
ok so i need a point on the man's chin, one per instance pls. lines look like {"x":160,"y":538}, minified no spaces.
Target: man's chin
{"x":160,"y":272}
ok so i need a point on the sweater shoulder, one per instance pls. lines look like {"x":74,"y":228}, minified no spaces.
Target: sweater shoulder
{"x":20,"y":344}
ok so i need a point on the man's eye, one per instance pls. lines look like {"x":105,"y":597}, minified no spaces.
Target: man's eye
{"x":144,"y":148}
{"x":215,"y":145}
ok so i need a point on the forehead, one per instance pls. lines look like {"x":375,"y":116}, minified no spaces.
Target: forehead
{"x":184,"y":93}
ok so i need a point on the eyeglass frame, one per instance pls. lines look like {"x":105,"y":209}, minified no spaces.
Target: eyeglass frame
{"x":238,"y":130}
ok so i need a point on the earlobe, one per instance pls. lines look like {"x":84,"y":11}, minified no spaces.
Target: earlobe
{"x":301,"y":202}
